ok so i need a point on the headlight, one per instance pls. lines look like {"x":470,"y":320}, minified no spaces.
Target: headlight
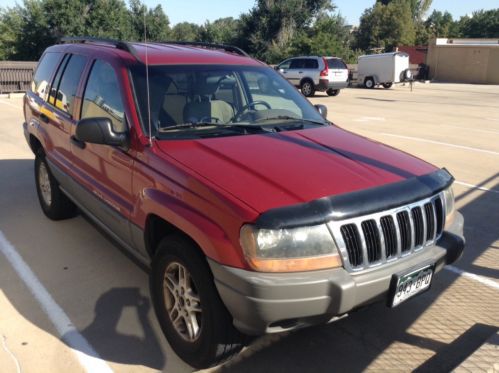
{"x":289,"y":250}
{"x":450,"y":208}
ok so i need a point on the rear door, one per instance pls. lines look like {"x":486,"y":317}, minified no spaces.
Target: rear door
{"x":338,"y":70}
{"x":59,"y":109}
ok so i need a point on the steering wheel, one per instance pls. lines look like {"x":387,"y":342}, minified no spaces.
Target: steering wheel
{"x":245,"y":108}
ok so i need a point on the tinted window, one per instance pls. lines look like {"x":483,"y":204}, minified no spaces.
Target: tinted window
{"x":298,"y":63}
{"x":69,"y":83}
{"x":311,"y":64}
{"x":46,"y":67}
{"x":336,"y":63}
{"x":57,"y":79}
{"x":102,"y":96}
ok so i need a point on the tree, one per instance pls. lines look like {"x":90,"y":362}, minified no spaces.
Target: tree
{"x":268,"y":29}
{"x":418,"y":7}
{"x":482,"y":24}
{"x":156,"y":22}
{"x":223,"y":30}
{"x":384,"y":27}
{"x":186,"y":31}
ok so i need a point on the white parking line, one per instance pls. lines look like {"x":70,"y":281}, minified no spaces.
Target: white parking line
{"x":481,"y":279}
{"x":8,"y":103}
{"x":472,"y":129}
{"x":86,"y":355}
{"x":471,"y":186}
{"x":441,"y":143}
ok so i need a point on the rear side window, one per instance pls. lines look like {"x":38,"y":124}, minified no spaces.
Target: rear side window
{"x":336,"y":63}
{"x":311,"y":64}
{"x":63,"y":90}
{"x":102,"y":96}
{"x":45,"y":70}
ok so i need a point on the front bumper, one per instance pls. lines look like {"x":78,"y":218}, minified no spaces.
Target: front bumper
{"x":273,"y":302}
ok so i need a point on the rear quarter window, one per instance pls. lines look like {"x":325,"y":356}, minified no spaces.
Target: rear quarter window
{"x":44,"y":72}
{"x":311,"y":64}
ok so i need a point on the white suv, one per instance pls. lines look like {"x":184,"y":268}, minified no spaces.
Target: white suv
{"x":314,"y":73}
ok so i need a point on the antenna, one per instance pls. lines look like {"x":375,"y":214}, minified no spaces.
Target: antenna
{"x":147,"y":83}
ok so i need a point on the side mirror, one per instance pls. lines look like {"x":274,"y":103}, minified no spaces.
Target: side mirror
{"x":276,"y":68}
{"x":322,"y":109}
{"x":99,"y":131}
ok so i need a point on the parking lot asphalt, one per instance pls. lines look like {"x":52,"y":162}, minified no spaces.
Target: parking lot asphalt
{"x":79,"y":283}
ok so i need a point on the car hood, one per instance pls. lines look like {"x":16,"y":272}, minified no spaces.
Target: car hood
{"x":266,"y":171}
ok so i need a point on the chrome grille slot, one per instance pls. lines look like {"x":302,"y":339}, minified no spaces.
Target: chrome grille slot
{"x":430,"y":221}
{"x":417,"y":217}
{"x":387,"y":236}
{"x":405,"y":230}
{"x":373,"y":244}
{"x":352,"y":239}
{"x":388,"y":228}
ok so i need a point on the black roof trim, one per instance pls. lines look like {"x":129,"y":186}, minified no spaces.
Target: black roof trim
{"x":118,"y":44}
{"x":358,"y":203}
{"x":225,"y":47}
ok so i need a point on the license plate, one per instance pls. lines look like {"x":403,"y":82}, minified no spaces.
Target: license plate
{"x":410,"y":284}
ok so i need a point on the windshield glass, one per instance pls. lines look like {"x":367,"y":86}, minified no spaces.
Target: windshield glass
{"x":195,"y":101}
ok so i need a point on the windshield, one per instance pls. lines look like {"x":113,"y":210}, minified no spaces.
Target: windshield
{"x":192,"y":101}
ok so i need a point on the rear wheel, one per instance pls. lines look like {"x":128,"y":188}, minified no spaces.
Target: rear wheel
{"x":191,"y":314}
{"x":333,"y":92}
{"x":307,"y":88}
{"x":54,"y":203}
{"x":369,"y":83}
{"x":387,"y":85}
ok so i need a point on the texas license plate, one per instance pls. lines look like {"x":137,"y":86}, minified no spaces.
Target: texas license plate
{"x":410,"y":284}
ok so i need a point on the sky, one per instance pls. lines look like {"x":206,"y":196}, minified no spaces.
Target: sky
{"x":198,"y":11}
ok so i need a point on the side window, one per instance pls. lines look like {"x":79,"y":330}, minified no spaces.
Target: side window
{"x":44,"y":71}
{"x":297,"y":63}
{"x":102,"y":96}
{"x":57,"y":79}
{"x":68,"y":85}
{"x":311,"y":63}
{"x":285,"y":65}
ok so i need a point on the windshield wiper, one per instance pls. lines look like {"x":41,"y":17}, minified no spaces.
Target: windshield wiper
{"x":216,"y":125}
{"x":286,"y":117}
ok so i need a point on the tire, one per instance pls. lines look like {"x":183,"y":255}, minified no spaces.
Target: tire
{"x":54,"y":203}
{"x":387,"y":85}
{"x":307,"y":88}
{"x":216,"y":339}
{"x":369,"y":83}
{"x":333,"y":92}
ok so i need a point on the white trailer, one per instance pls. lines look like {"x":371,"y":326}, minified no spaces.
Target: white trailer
{"x":385,"y":69}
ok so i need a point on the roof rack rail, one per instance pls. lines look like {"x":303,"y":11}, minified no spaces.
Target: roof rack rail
{"x":225,"y":47}
{"x":118,"y":44}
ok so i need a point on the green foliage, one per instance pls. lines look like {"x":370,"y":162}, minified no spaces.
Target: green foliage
{"x":185,"y":31}
{"x":384,"y":27}
{"x":483,"y":24}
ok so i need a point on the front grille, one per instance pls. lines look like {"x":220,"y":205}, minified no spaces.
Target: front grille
{"x":385,"y":236}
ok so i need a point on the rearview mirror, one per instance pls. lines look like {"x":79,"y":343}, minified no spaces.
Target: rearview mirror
{"x":322,"y":109}
{"x":99,"y":131}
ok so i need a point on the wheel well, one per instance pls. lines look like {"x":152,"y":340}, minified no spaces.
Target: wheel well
{"x":158,"y":228}
{"x":34,"y":144}
{"x":307,"y":80}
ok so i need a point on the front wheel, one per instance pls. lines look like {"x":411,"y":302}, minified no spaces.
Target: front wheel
{"x":191,"y":314}
{"x":54,"y":203}
{"x":307,"y":88}
{"x":333,"y":92}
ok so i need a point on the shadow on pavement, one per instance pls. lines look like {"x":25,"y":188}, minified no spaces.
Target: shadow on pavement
{"x":113,"y":345}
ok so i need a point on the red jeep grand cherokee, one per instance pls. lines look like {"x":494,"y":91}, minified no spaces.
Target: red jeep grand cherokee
{"x":254,"y":213}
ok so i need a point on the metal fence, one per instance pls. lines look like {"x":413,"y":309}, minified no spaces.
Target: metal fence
{"x":15,"y":76}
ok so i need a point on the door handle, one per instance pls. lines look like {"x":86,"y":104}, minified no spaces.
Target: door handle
{"x":300,"y":72}
{"x":44,"y":118}
{"x":80,"y":144}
